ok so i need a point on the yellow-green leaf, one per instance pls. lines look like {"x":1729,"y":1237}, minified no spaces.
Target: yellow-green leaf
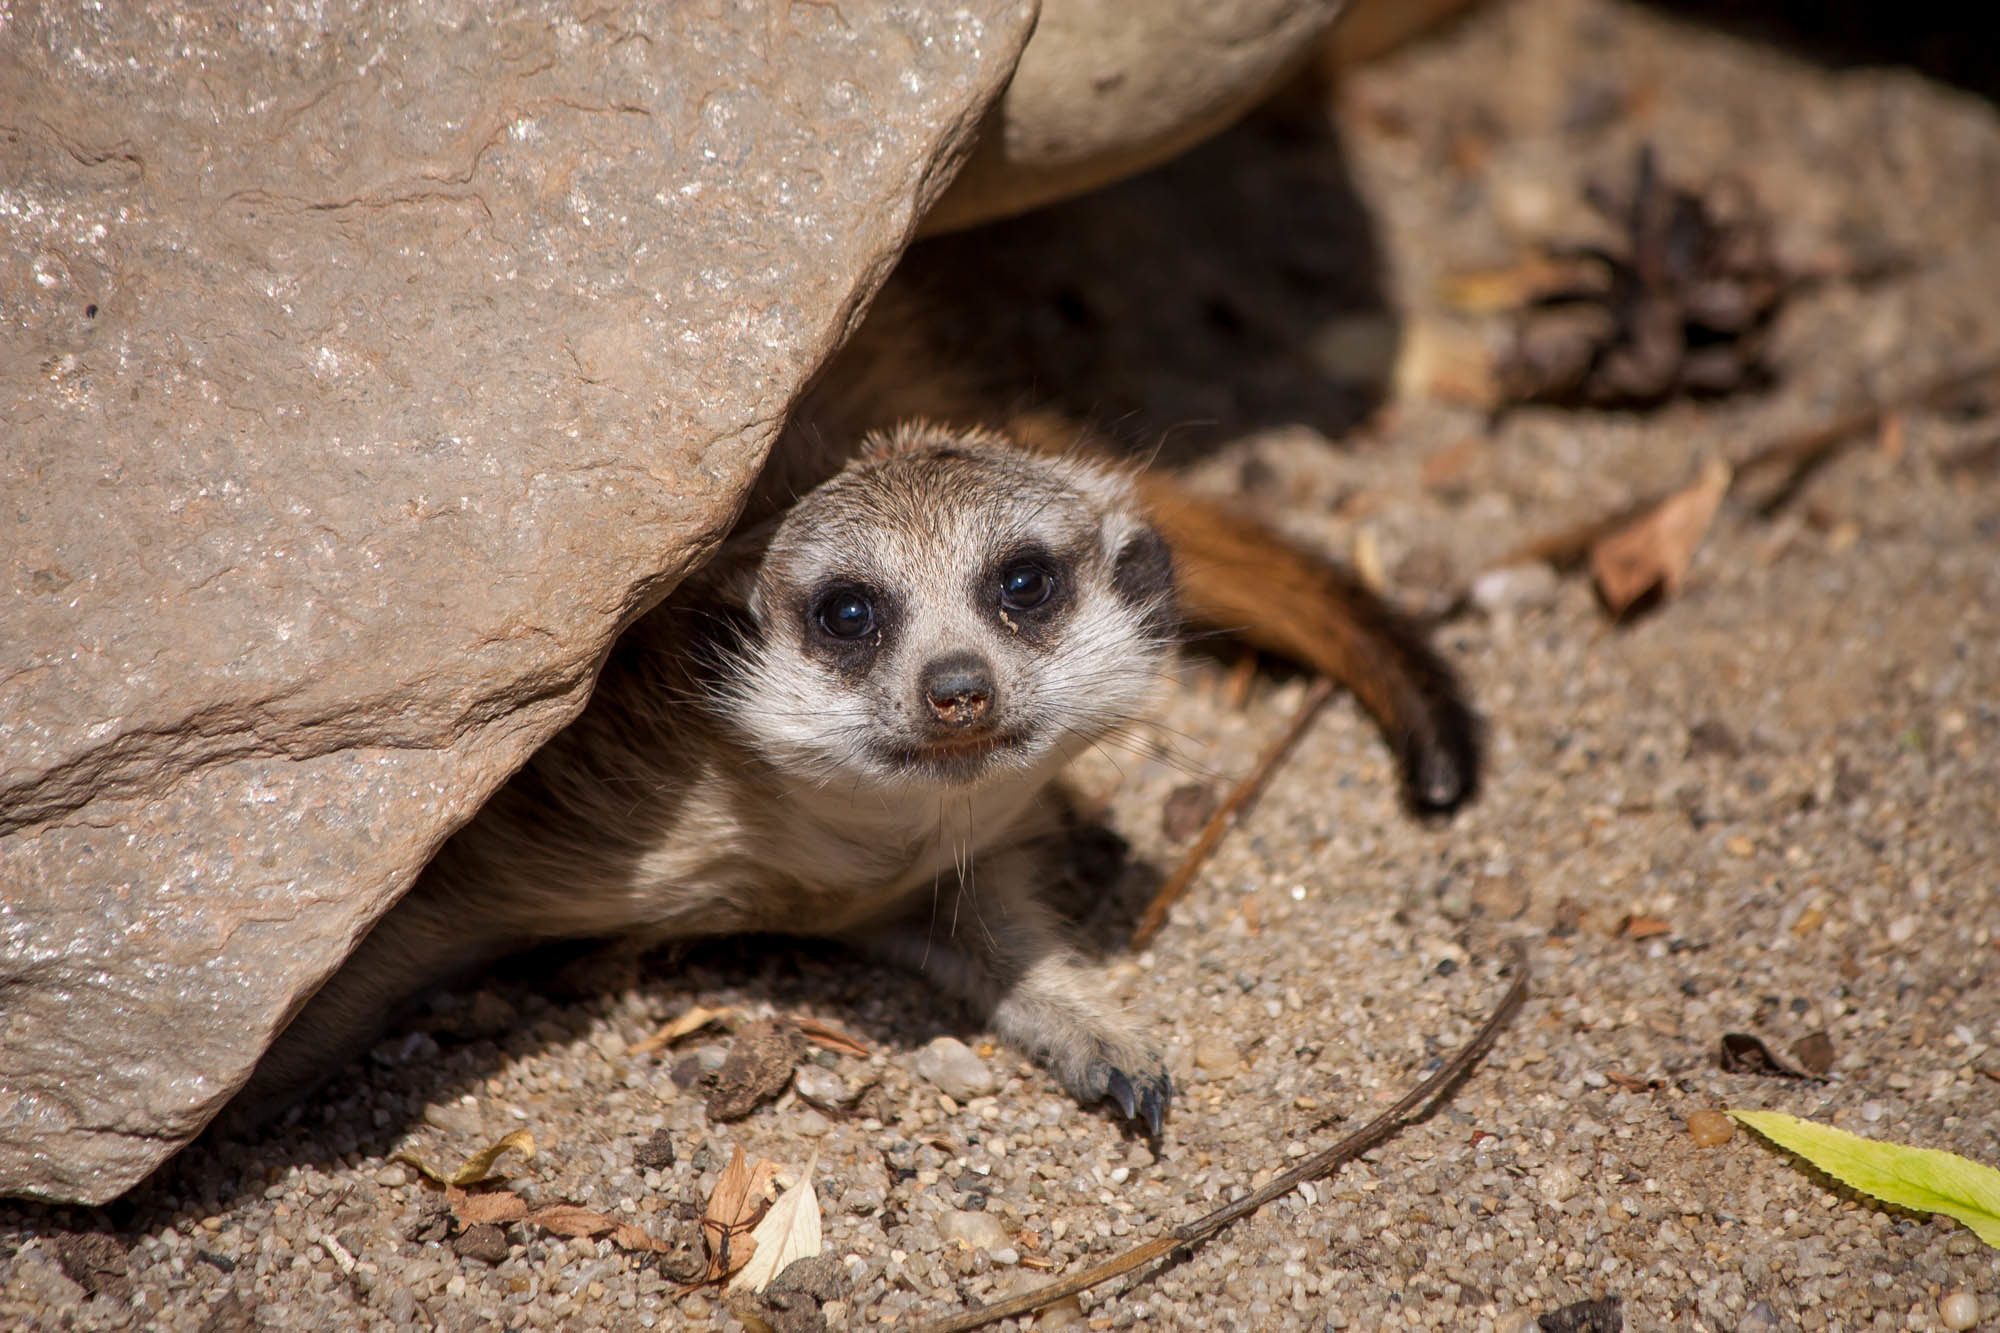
{"x":477,"y":1167}
{"x":1923,"y":1179}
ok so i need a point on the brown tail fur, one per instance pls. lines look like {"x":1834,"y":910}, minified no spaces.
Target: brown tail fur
{"x":1235,"y":575}
{"x":1238,"y":576}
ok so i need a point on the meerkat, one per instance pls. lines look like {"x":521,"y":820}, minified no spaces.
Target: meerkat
{"x":844,"y":726}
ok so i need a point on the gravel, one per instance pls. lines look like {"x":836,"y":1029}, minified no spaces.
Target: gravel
{"x":1794,"y":765}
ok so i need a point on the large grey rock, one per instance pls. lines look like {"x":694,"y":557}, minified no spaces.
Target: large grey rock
{"x":364,"y":368}
{"x":1108,"y":88}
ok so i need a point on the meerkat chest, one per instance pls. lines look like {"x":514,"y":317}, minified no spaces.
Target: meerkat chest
{"x":866,"y":844}
{"x":835,"y":859}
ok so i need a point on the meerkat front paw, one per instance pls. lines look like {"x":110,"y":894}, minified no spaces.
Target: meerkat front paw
{"x":1094,"y":1060}
{"x":1140,"y":1087}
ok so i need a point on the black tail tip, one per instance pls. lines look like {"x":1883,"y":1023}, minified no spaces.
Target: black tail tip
{"x":1441,"y":763}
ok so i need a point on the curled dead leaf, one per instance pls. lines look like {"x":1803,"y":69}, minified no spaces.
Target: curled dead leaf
{"x":1747,"y":1053}
{"x":1654,"y":551}
{"x":693,"y":1020}
{"x":822,"y":1033}
{"x":1638,"y":927}
{"x":477,"y":1167}
{"x":487,"y":1208}
{"x":734,"y":1208}
{"x":790,"y":1230}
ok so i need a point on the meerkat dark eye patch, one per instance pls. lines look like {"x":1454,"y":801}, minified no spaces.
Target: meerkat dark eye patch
{"x":1028,"y":590}
{"x":847,"y":623}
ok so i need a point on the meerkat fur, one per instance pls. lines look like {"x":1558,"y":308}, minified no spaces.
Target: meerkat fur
{"x":844,"y":727}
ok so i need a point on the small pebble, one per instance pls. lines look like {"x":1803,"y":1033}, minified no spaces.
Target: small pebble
{"x":486,"y":1243}
{"x":1515,"y":588}
{"x":1558,"y":1183}
{"x":822,"y":1086}
{"x":1216,"y":1053}
{"x":1065,"y":1313}
{"x":978,"y":1231}
{"x":951,"y":1065}
{"x":1762,"y":1317}
{"x":453,"y":1117}
{"x":1187,"y":808}
{"x":1959,"y":1309}
{"x":1710,"y":1129}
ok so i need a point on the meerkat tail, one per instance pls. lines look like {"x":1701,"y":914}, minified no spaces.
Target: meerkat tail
{"x":1236,"y":575}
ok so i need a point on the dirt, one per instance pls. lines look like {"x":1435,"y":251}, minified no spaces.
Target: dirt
{"x":1771,"y":805}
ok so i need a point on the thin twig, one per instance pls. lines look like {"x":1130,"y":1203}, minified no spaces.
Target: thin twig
{"x":1800,"y":454}
{"x":1226,"y":814}
{"x":1415,"y":1104}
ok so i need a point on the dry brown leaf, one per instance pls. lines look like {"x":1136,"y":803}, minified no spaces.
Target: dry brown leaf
{"x":822,"y":1033}
{"x":733,"y":1209}
{"x":498,"y":1207}
{"x":1636,"y":927}
{"x":477,"y":1167}
{"x":692,"y":1021}
{"x":628,"y":1237}
{"x":1654,"y":550}
{"x":1747,"y":1053}
{"x":789,"y":1231}
{"x":488,"y":1208}
{"x":567,"y":1219}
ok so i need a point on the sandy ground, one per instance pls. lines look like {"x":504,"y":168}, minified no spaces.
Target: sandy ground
{"x":1789,"y":771}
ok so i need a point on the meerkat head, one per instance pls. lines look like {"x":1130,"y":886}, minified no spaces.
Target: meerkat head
{"x":949,"y":610}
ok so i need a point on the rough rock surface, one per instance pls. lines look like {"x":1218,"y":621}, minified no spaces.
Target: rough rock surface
{"x":363,"y":371}
{"x":1110,"y":87}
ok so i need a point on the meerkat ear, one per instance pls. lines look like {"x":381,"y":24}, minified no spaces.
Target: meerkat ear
{"x":1142,"y":574}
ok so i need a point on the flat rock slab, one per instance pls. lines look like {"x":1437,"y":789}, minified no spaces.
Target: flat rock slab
{"x":361,"y":375}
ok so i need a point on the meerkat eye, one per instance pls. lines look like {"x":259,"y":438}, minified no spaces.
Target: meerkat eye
{"x":1025,"y":585}
{"x":845,"y":615}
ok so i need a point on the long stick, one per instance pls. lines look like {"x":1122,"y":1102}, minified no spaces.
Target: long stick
{"x":1414,"y":1105}
{"x":1225,"y":815}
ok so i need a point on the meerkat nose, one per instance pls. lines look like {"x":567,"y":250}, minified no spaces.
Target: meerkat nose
{"x":959,"y":689}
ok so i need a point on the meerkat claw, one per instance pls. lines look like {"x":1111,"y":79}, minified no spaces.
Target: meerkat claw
{"x":1153,"y":1104}
{"x":1119,"y":1089}
{"x":1145,"y":1099}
